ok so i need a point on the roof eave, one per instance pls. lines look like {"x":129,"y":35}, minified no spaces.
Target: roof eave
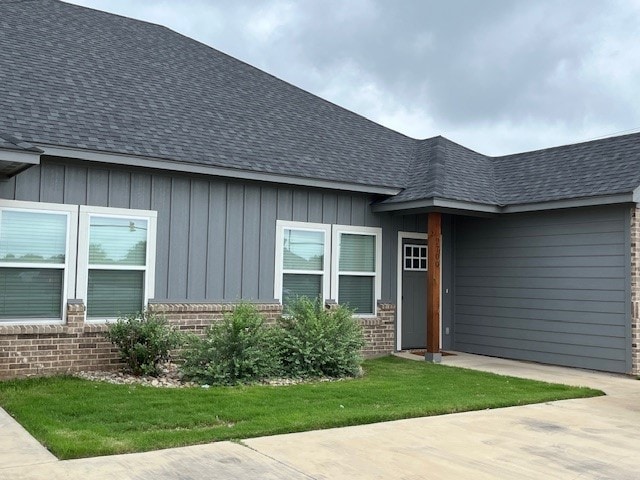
{"x":591,"y":201}
{"x":163,"y":164}
{"x":13,"y":162}
{"x":472,"y":208}
{"x":436,"y":204}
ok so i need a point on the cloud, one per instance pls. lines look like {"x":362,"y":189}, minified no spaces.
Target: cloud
{"x":270,"y":20}
{"x":360,"y":92}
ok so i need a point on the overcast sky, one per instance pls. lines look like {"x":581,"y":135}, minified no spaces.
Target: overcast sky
{"x":498,"y":76}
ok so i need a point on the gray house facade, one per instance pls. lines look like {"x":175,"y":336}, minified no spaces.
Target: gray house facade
{"x":141,"y":169}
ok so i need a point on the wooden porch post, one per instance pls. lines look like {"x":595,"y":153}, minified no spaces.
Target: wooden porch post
{"x":434,"y":231}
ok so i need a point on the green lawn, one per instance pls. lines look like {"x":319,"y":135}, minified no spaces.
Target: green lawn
{"x":78,"y":418}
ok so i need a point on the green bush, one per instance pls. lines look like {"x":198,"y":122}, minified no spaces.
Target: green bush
{"x":144,"y":340}
{"x":314,"y":341}
{"x":237,"y":350}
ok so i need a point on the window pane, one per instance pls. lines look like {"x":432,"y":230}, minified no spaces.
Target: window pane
{"x":120,"y":241}
{"x":303,"y":250}
{"x":357,"y":253}
{"x":32,"y":237}
{"x":30,"y":293}
{"x":357,"y":292}
{"x":113,"y":293}
{"x":294,"y":285}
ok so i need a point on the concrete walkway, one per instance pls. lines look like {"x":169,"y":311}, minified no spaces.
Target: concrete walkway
{"x":593,"y":438}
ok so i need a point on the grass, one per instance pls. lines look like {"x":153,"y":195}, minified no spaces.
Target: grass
{"x":78,"y":418}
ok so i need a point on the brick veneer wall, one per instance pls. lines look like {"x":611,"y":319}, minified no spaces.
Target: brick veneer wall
{"x":196,"y":317}
{"x":48,"y":349}
{"x":635,"y":291}
{"x":379,"y":332}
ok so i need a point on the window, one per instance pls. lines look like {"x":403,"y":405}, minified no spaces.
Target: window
{"x":116,"y":261}
{"x":38,"y":271}
{"x":415,"y":257}
{"x":319,"y":260}
{"x":36,"y":250}
{"x":357,"y":266}
{"x":302,"y":260}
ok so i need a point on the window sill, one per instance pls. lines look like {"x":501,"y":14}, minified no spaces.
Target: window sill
{"x":50,"y":328}
{"x":32,"y":328}
{"x":32,"y":322}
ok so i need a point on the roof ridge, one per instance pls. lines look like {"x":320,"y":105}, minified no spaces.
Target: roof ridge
{"x":568,"y":145}
{"x":497,"y":191}
{"x":104,"y":12}
{"x":438,"y":166}
{"x":449,"y":141}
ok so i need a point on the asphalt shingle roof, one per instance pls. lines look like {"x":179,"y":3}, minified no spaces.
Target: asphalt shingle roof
{"x":7,"y":142}
{"x":80,"y":78}
{"x":72,"y":76}
{"x":601,"y":167}
{"x":444,"y":169}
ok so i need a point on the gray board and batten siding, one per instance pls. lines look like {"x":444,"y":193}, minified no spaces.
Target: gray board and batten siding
{"x":551,"y":287}
{"x":215,"y":237}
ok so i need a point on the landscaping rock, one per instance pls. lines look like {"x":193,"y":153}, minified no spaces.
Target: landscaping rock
{"x":170,"y":377}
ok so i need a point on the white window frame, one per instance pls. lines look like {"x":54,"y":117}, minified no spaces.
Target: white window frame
{"x":69,"y":271}
{"x":86,"y":212}
{"x":281,"y":226}
{"x":412,"y":257}
{"x":335,"y":261}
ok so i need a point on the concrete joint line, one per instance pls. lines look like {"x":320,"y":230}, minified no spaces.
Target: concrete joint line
{"x":240,"y":442}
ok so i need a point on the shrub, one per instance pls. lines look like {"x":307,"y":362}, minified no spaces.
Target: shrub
{"x":144,"y":340}
{"x":314,"y":341}
{"x":237,"y":350}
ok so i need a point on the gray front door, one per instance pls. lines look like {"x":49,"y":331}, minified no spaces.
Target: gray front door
{"x":414,"y":294}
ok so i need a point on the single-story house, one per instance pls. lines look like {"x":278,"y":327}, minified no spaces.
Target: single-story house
{"x":142,"y":169}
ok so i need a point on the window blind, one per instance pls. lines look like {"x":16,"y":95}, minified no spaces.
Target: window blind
{"x":32,"y":264}
{"x":357,"y":253}
{"x":357,"y":292}
{"x":114,"y":293}
{"x":30,"y":293}
{"x":32,"y":237}
{"x":297,"y":285}
{"x":303,"y":250}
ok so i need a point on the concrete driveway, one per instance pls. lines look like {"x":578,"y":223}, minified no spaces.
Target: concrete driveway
{"x":595,"y":438}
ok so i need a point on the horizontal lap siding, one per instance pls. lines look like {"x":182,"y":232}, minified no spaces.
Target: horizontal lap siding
{"x":549,"y":287}
{"x":215,"y":238}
